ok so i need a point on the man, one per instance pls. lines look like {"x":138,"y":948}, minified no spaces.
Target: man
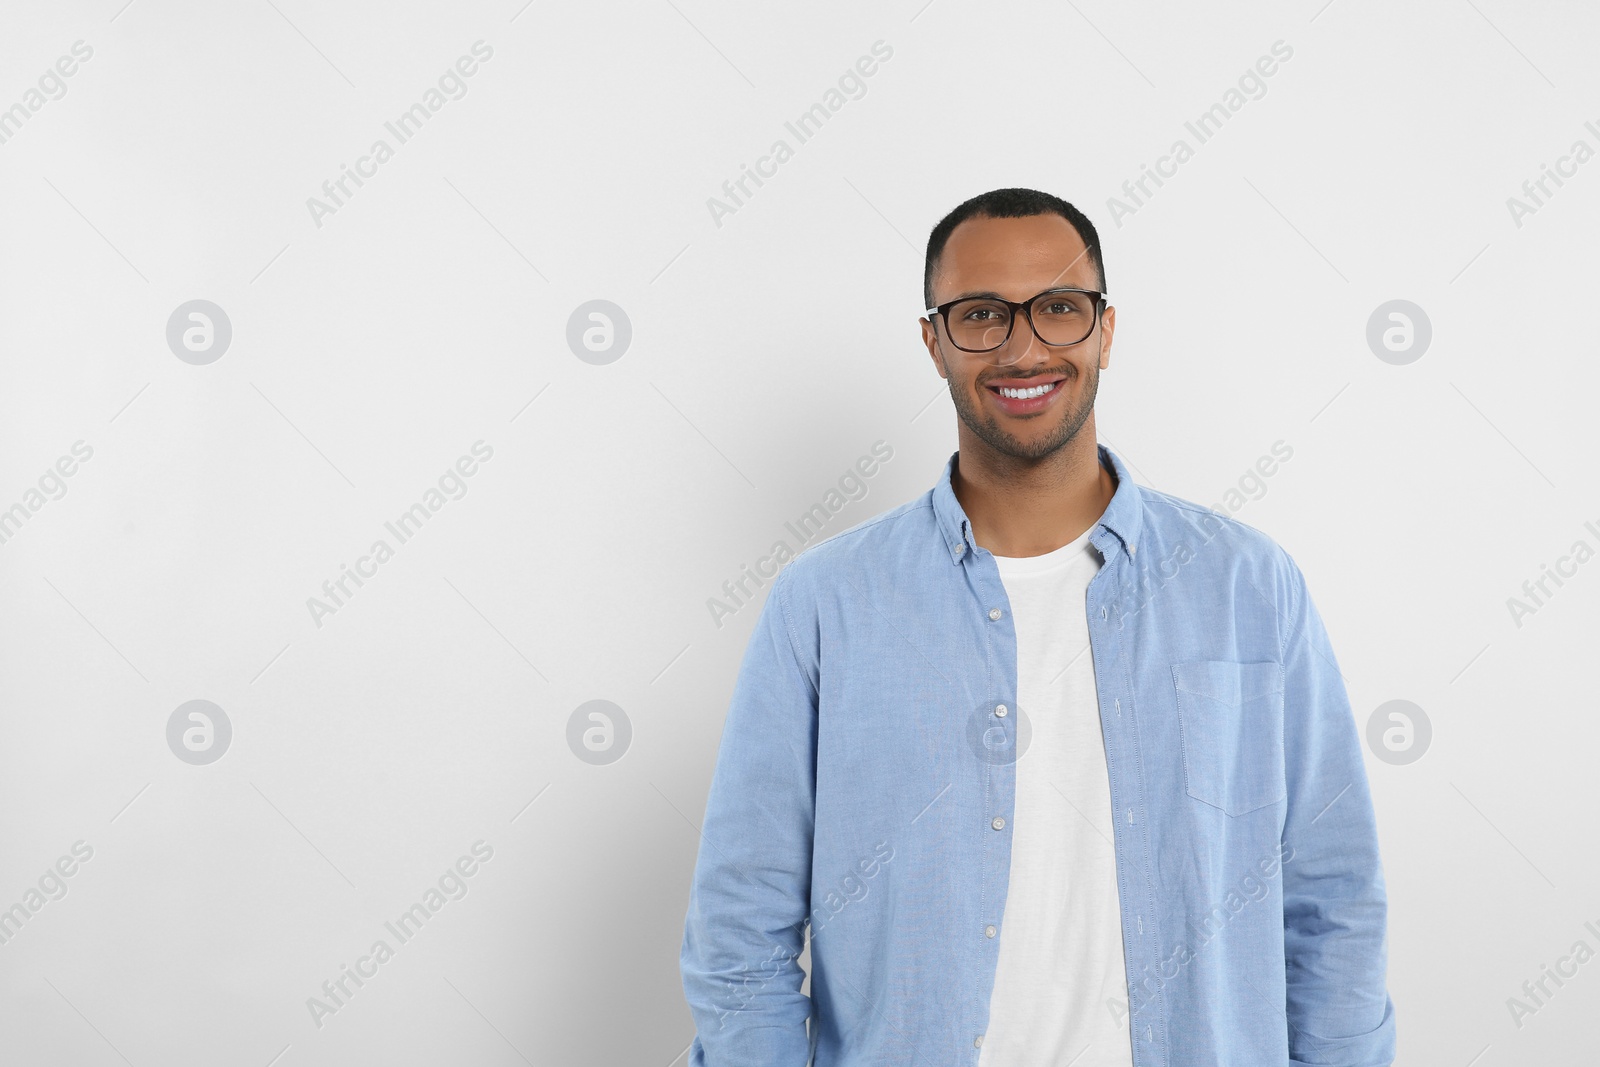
{"x":1058,"y":768}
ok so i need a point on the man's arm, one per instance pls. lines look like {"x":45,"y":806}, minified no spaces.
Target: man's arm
{"x":1334,"y":902}
{"x":752,"y":880}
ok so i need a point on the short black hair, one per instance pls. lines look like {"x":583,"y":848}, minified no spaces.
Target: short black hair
{"x":1009,"y":204}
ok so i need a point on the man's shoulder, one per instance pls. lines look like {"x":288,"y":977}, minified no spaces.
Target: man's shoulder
{"x":1216,"y":547}
{"x":1171,"y":519}
{"x":872,"y":541}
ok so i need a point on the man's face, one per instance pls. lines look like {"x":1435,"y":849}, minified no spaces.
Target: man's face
{"x":1015,"y":259}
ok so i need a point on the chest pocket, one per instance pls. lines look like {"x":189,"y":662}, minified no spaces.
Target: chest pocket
{"x":1231,"y":718}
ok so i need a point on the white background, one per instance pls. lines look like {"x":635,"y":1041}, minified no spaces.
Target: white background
{"x":430,"y":311}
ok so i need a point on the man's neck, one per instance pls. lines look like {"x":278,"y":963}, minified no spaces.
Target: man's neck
{"x":1022,"y":508}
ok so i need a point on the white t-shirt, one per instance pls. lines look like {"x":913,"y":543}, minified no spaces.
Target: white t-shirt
{"x":1061,"y":959}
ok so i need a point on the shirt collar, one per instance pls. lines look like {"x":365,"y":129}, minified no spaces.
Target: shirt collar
{"x":1122,"y":516}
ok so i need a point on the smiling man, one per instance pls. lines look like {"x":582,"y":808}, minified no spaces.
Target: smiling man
{"x":1055,"y":767}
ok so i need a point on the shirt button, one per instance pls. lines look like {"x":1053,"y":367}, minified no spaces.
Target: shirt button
{"x":998,"y":823}
{"x":1102,"y":613}
{"x":1000,"y":710}
{"x":977,"y":1042}
{"x":994,"y":614}
{"x":988,"y":931}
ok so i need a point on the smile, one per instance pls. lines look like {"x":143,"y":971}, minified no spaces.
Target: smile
{"x":1026,"y":394}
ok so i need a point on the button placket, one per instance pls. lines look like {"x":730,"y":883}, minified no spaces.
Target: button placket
{"x":1103,"y":651}
{"x":998,"y":780}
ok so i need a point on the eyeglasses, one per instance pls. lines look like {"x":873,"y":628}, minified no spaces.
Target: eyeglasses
{"x":983,"y":324}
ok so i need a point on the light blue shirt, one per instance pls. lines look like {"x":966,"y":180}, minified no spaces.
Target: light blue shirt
{"x":866,"y":779}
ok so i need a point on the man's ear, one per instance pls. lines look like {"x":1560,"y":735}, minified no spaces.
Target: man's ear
{"x":930,"y":338}
{"x":1108,"y":327}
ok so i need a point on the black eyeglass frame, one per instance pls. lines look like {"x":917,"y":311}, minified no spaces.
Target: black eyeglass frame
{"x":1024,"y":307}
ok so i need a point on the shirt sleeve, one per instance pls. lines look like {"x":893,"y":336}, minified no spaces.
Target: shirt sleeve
{"x":750,"y":896}
{"x":1334,"y":903}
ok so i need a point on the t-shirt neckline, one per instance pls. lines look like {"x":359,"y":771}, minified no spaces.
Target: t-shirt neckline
{"x":1049,"y":561}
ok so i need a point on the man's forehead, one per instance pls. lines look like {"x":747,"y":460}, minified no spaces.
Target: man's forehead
{"x":1036,"y":250}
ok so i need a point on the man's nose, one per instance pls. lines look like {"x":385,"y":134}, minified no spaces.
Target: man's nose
{"x":1025,"y":343}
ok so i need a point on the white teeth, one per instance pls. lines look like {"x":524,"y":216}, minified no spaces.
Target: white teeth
{"x":1026,"y":394}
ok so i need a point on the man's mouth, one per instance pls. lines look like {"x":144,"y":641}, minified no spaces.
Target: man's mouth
{"x":1025,"y":393}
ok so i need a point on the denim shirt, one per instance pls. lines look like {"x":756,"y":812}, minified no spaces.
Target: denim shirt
{"x":867,"y":773}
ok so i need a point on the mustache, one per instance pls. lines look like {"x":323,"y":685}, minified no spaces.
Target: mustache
{"x":1065,"y":372}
